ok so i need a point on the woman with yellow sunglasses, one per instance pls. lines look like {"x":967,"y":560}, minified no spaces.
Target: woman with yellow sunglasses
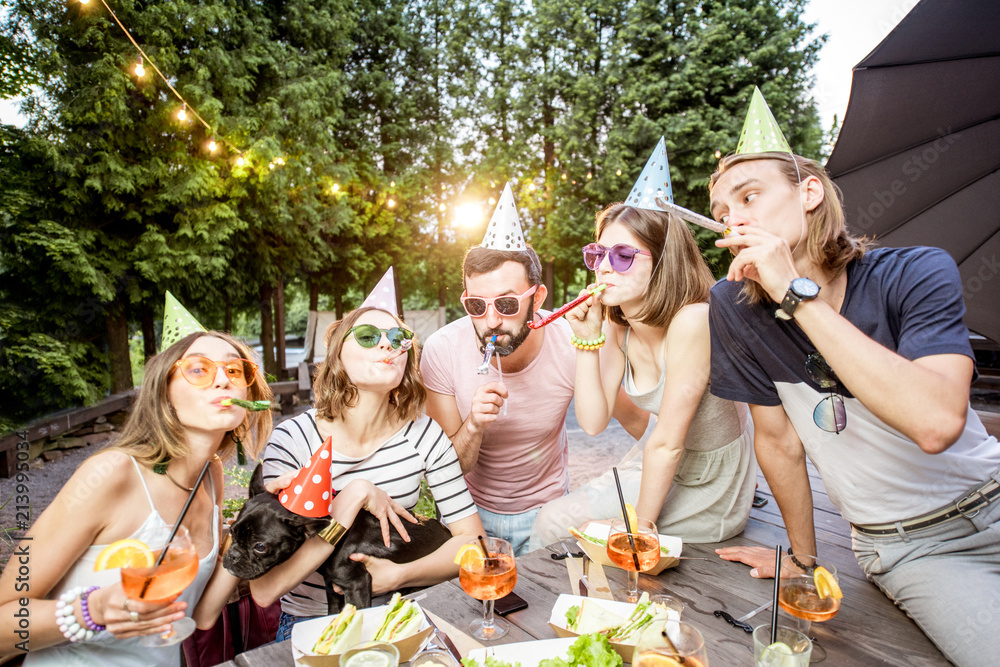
{"x":180,"y":421}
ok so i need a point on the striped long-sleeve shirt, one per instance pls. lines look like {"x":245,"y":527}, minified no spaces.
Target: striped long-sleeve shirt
{"x":420,"y":448}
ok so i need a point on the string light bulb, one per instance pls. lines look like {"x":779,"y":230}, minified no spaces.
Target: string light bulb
{"x":392,"y":184}
{"x":492,"y":201}
{"x":391,"y":203}
{"x":444,"y":187}
{"x":619,"y":172}
{"x":182,"y":115}
{"x":718,"y":154}
{"x":212,"y":145}
{"x":531,"y":187}
{"x":240,"y":161}
{"x":140,"y":70}
{"x":564,"y":176}
{"x":335,"y":188}
{"x":589,"y":175}
{"x":443,"y":207}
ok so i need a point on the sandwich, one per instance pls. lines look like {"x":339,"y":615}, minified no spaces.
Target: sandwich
{"x":590,"y":617}
{"x":402,"y":619}
{"x":344,"y":632}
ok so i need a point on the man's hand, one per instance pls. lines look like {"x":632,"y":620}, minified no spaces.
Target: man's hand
{"x":486,"y":404}
{"x":385,"y":574}
{"x":760,"y":559}
{"x":763,"y":258}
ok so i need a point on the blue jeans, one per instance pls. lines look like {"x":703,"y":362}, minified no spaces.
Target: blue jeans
{"x":515,"y":528}
{"x":285,"y":624}
{"x":946,"y":578}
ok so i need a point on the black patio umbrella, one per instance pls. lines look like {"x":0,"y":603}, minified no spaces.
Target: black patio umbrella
{"x":918,"y":154}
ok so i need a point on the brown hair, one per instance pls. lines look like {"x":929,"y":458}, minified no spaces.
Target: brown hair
{"x":153,"y":433}
{"x":479,"y":260}
{"x":680,"y":275}
{"x":336,"y":393}
{"x":828,"y":243}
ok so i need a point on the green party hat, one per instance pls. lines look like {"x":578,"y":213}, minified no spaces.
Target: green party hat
{"x":177,"y":322}
{"x":761,"y":133}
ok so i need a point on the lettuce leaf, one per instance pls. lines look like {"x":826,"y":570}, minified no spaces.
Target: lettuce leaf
{"x":571,"y":615}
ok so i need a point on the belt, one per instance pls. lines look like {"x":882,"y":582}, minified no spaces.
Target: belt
{"x":968,"y":506}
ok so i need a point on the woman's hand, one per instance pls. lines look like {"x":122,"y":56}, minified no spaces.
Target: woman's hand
{"x":279,"y":483}
{"x":386,"y":575}
{"x":760,"y":559}
{"x":585,"y":320}
{"x":111,"y":607}
{"x":378,"y":503}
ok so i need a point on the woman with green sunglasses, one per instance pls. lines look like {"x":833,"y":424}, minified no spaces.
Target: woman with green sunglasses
{"x":370,"y":400}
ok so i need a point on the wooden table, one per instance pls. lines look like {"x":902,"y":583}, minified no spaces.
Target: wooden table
{"x":868,"y":630}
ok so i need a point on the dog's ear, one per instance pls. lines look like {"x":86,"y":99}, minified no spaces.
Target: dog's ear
{"x":308,"y":524}
{"x":257,"y":481}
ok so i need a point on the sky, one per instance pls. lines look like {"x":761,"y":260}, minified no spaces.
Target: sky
{"x":855,"y":27}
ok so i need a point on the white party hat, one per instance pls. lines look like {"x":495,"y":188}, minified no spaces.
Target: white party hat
{"x":653,"y":182}
{"x":177,"y":322}
{"x":384,"y":294}
{"x":504,"y":231}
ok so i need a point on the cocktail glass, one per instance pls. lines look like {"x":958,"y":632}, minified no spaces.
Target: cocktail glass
{"x":793,"y":650}
{"x":798,"y":596}
{"x":165,"y":582}
{"x":488,"y":578}
{"x":644,"y":555}
{"x":670,"y":644}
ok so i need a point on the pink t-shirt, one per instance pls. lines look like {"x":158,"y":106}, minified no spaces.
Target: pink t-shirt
{"x":523,"y":459}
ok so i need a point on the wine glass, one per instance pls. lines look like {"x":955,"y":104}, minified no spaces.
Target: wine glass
{"x":670,"y":644}
{"x":644,"y":555}
{"x":488,"y":578}
{"x":165,"y":582}
{"x":798,"y":596}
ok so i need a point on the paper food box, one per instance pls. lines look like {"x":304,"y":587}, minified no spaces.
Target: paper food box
{"x":306,"y":633}
{"x":593,"y":539}
{"x":557,"y":621}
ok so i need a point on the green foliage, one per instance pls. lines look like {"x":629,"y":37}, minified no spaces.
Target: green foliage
{"x":362,"y":128}
{"x":240,"y":477}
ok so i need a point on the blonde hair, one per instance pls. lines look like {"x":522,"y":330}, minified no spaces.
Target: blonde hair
{"x":153,"y":434}
{"x":680,"y":275}
{"x":336,"y":393}
{"x":828,"y":244}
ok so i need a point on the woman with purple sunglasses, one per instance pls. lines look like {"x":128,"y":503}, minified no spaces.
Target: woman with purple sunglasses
{"x":693,"y":472}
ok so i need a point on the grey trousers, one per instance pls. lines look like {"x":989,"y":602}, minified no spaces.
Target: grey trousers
{"x":947,"y":578}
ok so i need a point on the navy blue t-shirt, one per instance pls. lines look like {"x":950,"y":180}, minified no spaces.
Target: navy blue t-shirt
{"x":910,"y":301}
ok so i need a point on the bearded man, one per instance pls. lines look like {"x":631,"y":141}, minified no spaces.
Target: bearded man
{"x":509,"y":424}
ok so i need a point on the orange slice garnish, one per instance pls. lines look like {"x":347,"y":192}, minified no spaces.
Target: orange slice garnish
{"x":470,"y":557}
{"x":826,"y":584}
{"x":124,"y":553}
{"x":653,"y":659}
{"x":633,"y":520}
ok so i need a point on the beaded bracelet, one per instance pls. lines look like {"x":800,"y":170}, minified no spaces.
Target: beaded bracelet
{"x":66,"y":619}
{"x":87,"y":620}
{"x":595,"y":344}
{"x":806,"y":568}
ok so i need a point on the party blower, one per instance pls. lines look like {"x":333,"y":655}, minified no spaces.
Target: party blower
{"x":565,"y":309}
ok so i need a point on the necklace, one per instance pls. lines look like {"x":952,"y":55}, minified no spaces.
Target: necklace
{"x":176,"y":483}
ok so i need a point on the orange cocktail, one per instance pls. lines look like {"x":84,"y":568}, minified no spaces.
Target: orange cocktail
{"x":487,"y":572}
{"x":809,"y":591}
{"x":635,"y":549}
{"x":178,"y":569}
{"x":164,"y":582}
{"x":492,"y":580}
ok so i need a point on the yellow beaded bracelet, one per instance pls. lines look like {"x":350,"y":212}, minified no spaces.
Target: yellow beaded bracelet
{"x":595,"y":344}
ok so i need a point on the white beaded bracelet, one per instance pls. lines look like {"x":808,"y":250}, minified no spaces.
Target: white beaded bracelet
{"x":66,"y":619}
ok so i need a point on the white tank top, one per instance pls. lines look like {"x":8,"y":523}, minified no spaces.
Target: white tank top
{"x":104,"y":649}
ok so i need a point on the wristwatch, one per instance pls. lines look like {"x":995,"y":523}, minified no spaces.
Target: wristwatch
{"x":801,"y":289}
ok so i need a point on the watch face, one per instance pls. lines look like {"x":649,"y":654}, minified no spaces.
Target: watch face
{"x":805,"y":288}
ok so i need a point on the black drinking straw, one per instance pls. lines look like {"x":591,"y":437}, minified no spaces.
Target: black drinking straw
{"x":774,"y":605}
{"x":177,"y":525}
{"x":628,"y":528}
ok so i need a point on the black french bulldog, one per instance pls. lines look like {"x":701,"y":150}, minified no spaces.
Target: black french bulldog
{"x":266,"y":534}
